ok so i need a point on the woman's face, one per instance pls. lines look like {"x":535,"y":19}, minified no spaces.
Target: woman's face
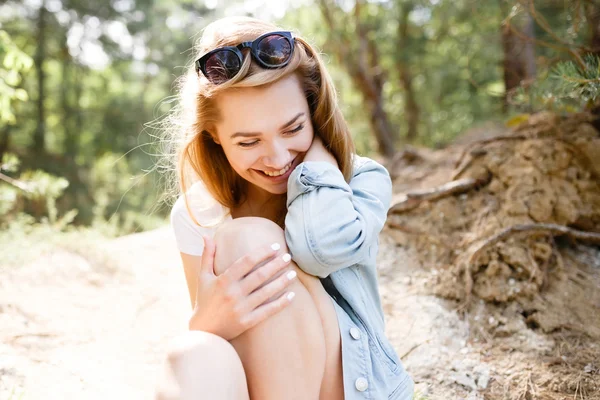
{"x":265,"y":131}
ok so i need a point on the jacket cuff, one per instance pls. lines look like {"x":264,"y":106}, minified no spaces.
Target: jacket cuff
{"x":310,"y":175}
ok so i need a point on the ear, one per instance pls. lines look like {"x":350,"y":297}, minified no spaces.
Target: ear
{"x":212,"y":136}
{"x":215,"y":137}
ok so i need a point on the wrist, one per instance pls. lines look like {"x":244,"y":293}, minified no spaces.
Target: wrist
{"x":328,"y":157}
{"x":196,"y":324}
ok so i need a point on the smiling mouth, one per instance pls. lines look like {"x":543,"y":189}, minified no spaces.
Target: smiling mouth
{"x":282,"y":171}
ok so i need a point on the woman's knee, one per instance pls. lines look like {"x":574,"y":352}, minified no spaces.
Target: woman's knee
{"x":202,"y":349}
{"x":205,"y":364}
{"x":238,"y":237}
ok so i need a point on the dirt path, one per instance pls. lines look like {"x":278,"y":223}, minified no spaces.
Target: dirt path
{"x":71,"y":329}
{"x":75,"y":330}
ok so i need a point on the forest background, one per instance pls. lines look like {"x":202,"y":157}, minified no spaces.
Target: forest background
{"x":84,"y":86}
{"x":484,"y":111}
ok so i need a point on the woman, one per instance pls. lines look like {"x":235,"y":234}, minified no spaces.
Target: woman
{"x":278,"y":232}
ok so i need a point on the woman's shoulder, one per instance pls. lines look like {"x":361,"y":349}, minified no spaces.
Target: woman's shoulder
{"x":198,"y":205}
{"x":370,"y":176}
{"x":194,"y":214}
{"x":361,"y":164}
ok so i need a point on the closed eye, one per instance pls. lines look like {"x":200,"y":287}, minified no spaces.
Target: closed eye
{"x":292,"y":132}
{"x":247,"y":144}
{"x":297,"y":129}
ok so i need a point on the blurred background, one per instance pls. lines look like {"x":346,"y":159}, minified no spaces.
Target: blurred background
{"x":85,"y":84}
{"x":87,"y":310}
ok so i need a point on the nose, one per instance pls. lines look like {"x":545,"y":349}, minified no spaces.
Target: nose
{"x":277,"y":156}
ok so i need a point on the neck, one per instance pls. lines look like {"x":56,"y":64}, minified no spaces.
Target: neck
{"x":260,"y":203}
{"x":259,"y":196}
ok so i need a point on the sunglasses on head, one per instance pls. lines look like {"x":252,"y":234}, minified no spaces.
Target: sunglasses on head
{"x":271,"y":50}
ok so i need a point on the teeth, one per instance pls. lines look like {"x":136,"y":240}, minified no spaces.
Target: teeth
{"x":280,"y":172}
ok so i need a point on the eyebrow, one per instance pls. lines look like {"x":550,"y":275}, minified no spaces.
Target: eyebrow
{"x":249,"y":134}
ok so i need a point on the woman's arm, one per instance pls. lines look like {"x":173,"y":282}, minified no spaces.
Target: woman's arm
{"x":191,"y":265}
{"x":331,"y":224}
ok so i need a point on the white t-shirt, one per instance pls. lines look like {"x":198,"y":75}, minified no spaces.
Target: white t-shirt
{"x":206,"y":210}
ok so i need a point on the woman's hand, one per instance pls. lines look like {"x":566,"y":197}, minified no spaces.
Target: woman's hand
{"x":233,"y":302}
{"x":318,"y":152}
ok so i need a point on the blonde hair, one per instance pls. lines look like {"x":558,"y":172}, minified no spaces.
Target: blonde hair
{"x":198,"y":157}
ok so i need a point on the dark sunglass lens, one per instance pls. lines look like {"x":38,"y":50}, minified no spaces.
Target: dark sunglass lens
{"x":274,"y":50}
{"x":222,"y":66}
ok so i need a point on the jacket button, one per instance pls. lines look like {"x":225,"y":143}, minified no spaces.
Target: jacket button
{"x":355,"y":333}
{"x":361,"y":384}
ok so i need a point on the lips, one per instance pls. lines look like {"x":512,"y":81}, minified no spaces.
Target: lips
{"x":279,"y":175}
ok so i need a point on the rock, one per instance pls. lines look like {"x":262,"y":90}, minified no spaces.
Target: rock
{"x":483,"y":376}
{"x":464,"y":380}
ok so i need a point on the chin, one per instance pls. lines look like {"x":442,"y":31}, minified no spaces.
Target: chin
{"x":282,"y":191}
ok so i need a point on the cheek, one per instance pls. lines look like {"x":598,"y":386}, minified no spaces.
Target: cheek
{"x":304,"y":141}
{"x":239,"y":159}
{"x":244,"y":160}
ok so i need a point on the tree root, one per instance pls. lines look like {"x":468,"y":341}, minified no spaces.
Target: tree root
{"x":412,"y":200}
{"x":470,"y":146}
{"x":460,"y":167}
{"x":404,"y":228}
{"x":554,"y":229}
{"x":440,"y":241}
{"x":16,"y":183}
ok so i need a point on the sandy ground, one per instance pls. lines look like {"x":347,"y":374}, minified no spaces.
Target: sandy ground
{"x":70,"y":329}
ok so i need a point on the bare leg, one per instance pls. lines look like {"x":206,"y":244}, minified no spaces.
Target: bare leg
{"x":294,"y":354}
{"x":203,"y":366}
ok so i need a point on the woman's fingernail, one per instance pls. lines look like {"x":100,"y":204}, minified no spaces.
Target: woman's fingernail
{"x":275,"y":246}
{"x":290,"y":295}
{"x":291,"y":275}
{"x":286,"y":257}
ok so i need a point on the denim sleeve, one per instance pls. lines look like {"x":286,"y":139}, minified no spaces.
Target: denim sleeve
{"x":331,"y":224}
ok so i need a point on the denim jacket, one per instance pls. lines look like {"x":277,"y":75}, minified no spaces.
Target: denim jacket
{"x":332,"y":230}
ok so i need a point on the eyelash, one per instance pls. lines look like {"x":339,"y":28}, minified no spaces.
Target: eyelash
{"x":295,"y":130}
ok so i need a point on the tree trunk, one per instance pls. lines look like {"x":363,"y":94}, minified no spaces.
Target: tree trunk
{"x":39,"y":137}
{"x":368,"y":79}
{"x":78,"y":86}
{"x":4,"y":140}
{"x":519,"y":55}
{"x":529,"y":49}
{"x":70,"y":135}
{"x":592,"y":11}
{"x":362,"y":64}
{"x":411,"y":107}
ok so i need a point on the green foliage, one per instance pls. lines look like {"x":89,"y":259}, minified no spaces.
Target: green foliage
{"x":117,"y":207}
{"x":107,"y":66}
{"x":44,"y":188}
{"x":33,"y":191}
{"x":10,"y":163}
{"x":566,"y":87}
{"x":452,"y":51}
{"x":29,"y":217}
{"x":35,"y":239}
{"x":581,"y":83}
{"x":418,"y":396}
{"x":15,"y":395}
{"x":13,"y":62}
